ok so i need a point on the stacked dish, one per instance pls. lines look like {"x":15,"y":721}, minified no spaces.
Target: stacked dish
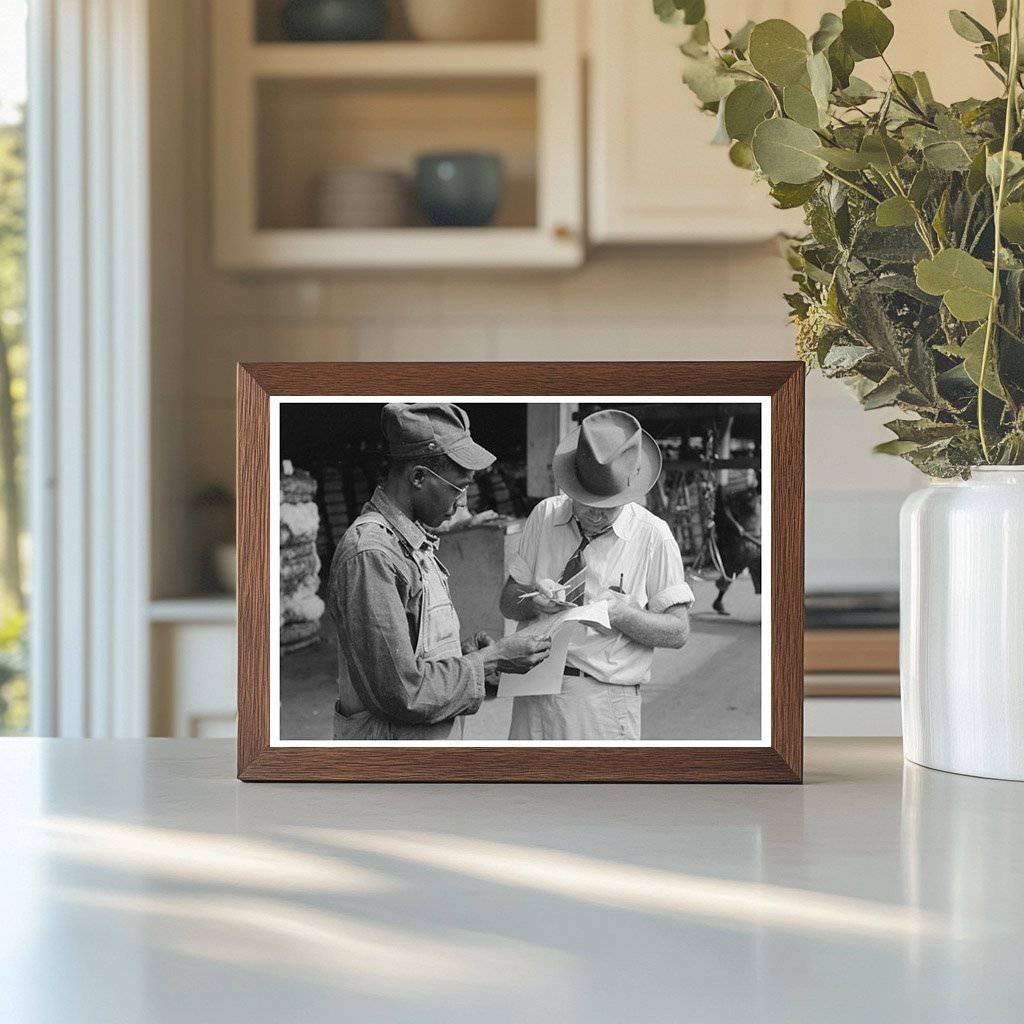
{"x":362,"y":197}
{"x":470,"y":20}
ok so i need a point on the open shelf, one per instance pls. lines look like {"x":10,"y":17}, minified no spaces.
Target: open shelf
{"x":286,"y":114}
{"x":520,"y":22}
{"x":390,"y":60}
{"x":406,"y":248}
{"x":309,"y":127}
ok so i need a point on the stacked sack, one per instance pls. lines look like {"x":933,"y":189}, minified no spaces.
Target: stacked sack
{"x":301,"y":608}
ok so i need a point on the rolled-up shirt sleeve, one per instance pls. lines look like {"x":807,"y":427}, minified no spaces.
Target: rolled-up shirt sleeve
{"x":666,"y":579}
{"x":389,"y":677}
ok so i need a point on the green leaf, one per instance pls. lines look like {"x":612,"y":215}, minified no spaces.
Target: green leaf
{"x":829,"y":29}
{"x":779,"y":51}
{"x":707,"y":78}
{"x":745,"y":108}
{"x":786,"y":151}
{"x":969,"y":28}
{"x":801,"y":106}
{"x":924,"y":88}
{"x":905,"y":84}
{"x":1014,"y":166}
{"x":885,"y":394}
{"x":666,"y":10}
{"x":883,"y":152}
{"x":999,"y":9}
{"x":963,"y":281}
{"x":976,"y":173}
{"x":895,"y":447}
{"x":741,"y":155}
{"x":739,"y":41}
{"x":866,"y":29}
{"x":844,"y":159}
{"x":693,"y":10}
{"x":701,"y":34}
{"x":868,"y":319}
{"x":689,"y":12}
{"x":842,"y":359}
{"x":721,"y":136}
{"x":889,"y":245}
{"x":895,"y":212}
{"x":923,"y":431}
{"x":788,"y":196}
{"x":921,"y":186}
{"x":947,"y":156}
{"x":1011,"y":225}
{"x":921,"y":370}
{"x":840,"y":61}
{"x":939,"y":220}
{"x":819,"y":74}
{"x":971,"y":351}
{"x":858,"y":91}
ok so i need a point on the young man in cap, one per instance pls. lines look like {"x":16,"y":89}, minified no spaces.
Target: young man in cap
{"x":599,"y":541}
{"x":402,"y":673}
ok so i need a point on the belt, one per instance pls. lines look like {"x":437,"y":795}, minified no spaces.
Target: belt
{"x":570,"y":671}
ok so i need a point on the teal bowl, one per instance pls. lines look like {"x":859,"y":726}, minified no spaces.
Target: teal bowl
{"x":460,"y":189}
{"x":334,"y":21}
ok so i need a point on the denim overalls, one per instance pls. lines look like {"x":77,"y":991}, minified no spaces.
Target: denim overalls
{"x":438,"y":638}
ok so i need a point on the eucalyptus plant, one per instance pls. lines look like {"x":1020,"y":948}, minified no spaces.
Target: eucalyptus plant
{"x":910,"y":277}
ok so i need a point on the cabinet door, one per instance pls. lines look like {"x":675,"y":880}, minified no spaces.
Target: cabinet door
{"x":654,"y":177}
{"x":653,"y":174}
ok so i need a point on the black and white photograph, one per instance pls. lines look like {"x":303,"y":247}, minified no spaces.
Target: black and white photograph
{"x":460,"y":570}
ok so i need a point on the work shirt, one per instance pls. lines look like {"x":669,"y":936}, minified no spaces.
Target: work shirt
{"x":399,"y":658}
{"x":639,"y":547}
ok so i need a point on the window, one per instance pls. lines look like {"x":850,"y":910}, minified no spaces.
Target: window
{"x":14,"y":690}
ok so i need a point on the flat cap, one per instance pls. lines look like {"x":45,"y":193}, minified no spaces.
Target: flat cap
{"x":418,"y":430}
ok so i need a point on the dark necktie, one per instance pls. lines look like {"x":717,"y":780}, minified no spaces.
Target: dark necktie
{"x":576,"y":595}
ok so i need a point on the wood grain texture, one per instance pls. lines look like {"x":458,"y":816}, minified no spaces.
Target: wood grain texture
{"x":252,"y":482}
{"x":781,"y":762}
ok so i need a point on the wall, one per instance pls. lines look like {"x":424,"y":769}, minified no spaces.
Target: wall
{"x":651,"y":303}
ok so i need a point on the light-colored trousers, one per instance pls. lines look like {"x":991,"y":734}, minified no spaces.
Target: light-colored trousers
{"x":584,"y":710}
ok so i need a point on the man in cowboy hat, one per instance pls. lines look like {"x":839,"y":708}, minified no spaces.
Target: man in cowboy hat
{"x":596,"y":542}
{"x":402,"y":670}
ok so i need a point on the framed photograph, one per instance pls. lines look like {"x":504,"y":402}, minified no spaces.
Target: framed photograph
{"x":518,"y":572}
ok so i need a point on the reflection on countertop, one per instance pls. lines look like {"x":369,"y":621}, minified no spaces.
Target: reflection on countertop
{"x":144,"y":883}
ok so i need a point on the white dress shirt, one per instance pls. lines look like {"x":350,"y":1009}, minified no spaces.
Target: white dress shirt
{"x":639,"y":547}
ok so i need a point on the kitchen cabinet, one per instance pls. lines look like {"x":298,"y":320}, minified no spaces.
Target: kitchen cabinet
{"x":653,"y":175}
{"x":287,"y":114}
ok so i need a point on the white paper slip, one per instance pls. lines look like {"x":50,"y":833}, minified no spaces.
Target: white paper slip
{"x":563,"y":628}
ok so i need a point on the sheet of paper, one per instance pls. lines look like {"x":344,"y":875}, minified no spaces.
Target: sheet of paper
{"x":563,"y":628}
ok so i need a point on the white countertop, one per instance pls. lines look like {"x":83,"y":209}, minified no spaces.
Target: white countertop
{"x":140,"y":882}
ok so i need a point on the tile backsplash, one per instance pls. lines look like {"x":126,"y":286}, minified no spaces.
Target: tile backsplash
{"x":708,"y":303}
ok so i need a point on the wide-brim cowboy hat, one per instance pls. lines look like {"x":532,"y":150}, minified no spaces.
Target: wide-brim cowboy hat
{"x":608,"y":460}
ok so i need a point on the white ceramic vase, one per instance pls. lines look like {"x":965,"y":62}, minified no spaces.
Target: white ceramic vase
{"x":962,"y":624}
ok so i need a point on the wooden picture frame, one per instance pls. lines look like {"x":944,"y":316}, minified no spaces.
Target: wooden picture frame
{"x":779,"y":759}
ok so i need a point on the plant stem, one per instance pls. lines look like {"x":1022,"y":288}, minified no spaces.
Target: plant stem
{"x":1011,"y":107}
{"x":853,"y":185}
{"x":980,"y":232}
{"x":896,"y":186}
{"x":907,"y":99}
